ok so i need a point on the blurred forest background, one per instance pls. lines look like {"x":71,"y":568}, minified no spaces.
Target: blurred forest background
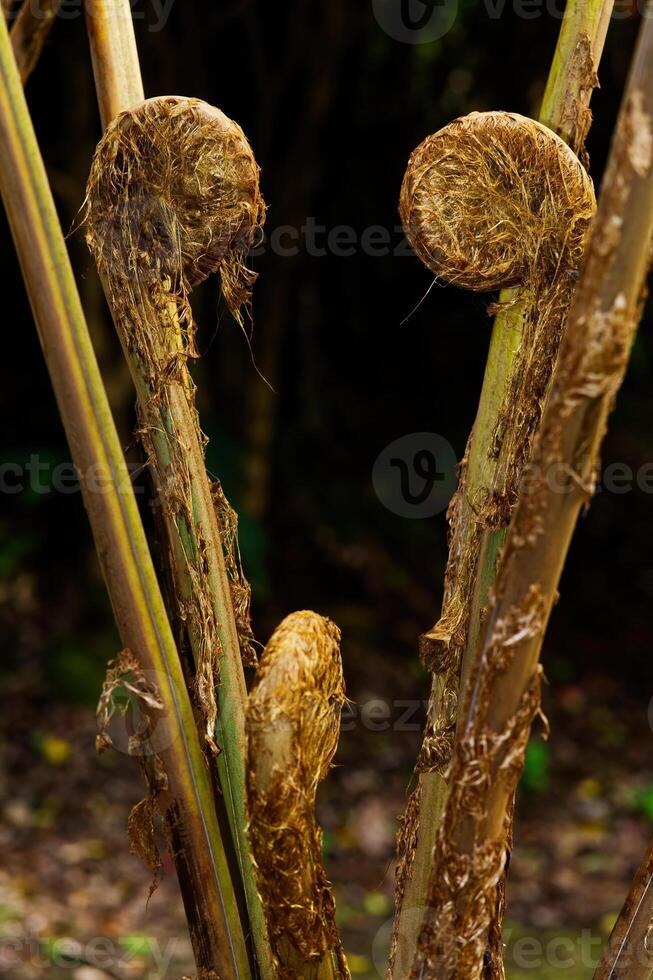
{"x":333,"y":106}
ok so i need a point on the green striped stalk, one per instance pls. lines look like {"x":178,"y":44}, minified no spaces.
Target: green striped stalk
{"x":187,"y":806}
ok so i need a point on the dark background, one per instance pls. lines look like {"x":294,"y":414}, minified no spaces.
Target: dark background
{"x":332,"y":106}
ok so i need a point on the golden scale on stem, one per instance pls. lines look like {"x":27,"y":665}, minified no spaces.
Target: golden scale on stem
{"x":487,"y":490}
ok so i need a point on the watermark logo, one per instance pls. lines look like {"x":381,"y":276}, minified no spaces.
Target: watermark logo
{"x":96,"y":956}
{"x":415,"y":476}
{"x":528,"y":952}
{"x":154,"y":12}
{"x":415,"y":21}
{"x":425,"y":21}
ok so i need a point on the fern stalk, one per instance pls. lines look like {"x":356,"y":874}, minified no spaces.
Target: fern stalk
{"x":116,"y":67}
{"x":565,"y":110}
{"x":504,"y":695}
{"x":30,"y":32}
{"x":187,"y":804}
{"x":174,"y":424}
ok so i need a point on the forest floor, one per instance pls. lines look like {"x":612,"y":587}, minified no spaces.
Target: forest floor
{"x":73,"y":901}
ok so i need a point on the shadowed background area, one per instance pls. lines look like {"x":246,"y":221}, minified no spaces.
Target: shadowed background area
{"x":336,"y":369}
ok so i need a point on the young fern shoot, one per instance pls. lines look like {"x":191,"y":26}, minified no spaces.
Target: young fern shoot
{"x":565,"y":110}
{"x":496,"y":200}
{"x":493,"y":200}
{"x":173,"y":196}
{"x":293,"y":722}
{"x":471,"y":845}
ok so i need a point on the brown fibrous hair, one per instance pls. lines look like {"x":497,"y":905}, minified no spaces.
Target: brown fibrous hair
{"x":175,"y":184}
{"x":493,"y":199}
{"x":293,"y":723}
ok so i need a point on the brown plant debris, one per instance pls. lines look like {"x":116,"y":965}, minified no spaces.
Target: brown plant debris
{"x":142,"y":839}
{"x":125,"y":673}
{"x":293,"y":723}
{"x":406,"y":845}
{"x":173,"y":195}
{"x":142,"y":698}
{"x":441,"y":647}
{"x":241,"y":590}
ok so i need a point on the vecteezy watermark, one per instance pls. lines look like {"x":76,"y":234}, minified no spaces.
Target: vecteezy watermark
{"x":415,"y":476}
{"x":110,"y":956}
{"x":317,"y":240}
{"x":416,"y":21}
{"x":425,"y":21}
{"x":529,"y":952}
{"x":155,"y":12}
{"x":379,"y":715}
{"x":41,"y":476}
{"x":534,"y":9}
